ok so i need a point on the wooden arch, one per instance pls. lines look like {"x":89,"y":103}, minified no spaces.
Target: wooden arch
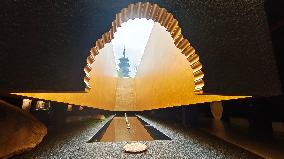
{"x":157,"y":14}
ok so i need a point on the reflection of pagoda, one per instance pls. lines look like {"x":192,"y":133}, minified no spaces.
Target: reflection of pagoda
{"x":123,"y":66}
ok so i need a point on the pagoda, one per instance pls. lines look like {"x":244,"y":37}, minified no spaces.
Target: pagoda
{"x":123,"y":66}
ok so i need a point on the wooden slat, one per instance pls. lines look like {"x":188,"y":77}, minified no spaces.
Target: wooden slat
{"x":135,"y":9}
{"x":167,"y":20}
{"x":139,"y":7}
{"x":111,"y":34}
{"x":142,"y":10}
{"x":188,"y":51}
{"x":196,"y":66}
{"x":161,"y":15}
{"x":86,"y":79}
{"x":199,"y":84}
{"x":149,"y":11}
{"x":130,"y":11}
{"x":146,"y":10}
{"x":198,"y":75}
{"x":90,"y":59}
{"x":192,"y":59}
{"x":173,"y":25}
{"x":114,"y":26}
{"x":178,"y":39}
{"x":88,"y":88}
{"x":118,"y":19}
{"x":105,"y":38}
{"x":94,"y":51}
{"x":183,"y":44}
{"x":99,"y":44}
{"x":124,"y":15}
{"x":87,"y":69}
{"x":159,"y":10}
{"x":88,"y":76}
{"x":176,"y":33}
{"x":154,"y":11}
{"x":198,"y":91}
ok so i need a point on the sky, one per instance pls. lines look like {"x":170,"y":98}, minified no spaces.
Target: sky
{"x":133,"y":35}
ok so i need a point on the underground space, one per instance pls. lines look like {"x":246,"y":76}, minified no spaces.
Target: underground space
{"x":166,"y":79}
{"x":131,"y":128}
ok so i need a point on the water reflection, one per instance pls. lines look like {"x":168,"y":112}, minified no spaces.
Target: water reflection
{"x":117,"y":131}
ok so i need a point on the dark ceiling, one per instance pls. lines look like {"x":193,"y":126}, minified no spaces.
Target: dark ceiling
{"x":44,"y":44}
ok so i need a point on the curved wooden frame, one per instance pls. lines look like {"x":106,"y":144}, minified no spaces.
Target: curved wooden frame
{"x":166,"y":19}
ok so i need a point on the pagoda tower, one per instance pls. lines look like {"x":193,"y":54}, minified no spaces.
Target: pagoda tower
{"x":123,"y":66}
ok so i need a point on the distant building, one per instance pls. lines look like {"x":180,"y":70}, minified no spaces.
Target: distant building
{"x":123,"y":66}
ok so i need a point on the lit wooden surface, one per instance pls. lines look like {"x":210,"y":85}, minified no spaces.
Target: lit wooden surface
{"x":117,"y":131}
{"x":169,"y":75}
{"x":164,"y":79}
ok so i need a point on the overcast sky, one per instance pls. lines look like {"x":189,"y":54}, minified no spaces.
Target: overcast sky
{"x":134,"y":35}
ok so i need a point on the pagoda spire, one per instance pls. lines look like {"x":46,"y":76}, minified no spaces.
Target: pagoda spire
{"x":124,"y":51}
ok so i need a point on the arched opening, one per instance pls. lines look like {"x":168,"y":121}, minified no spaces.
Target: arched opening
{"x":169,"y":73}
{"x":165,"y":19}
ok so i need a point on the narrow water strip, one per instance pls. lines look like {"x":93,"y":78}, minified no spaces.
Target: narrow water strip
{"x":117,"y":130}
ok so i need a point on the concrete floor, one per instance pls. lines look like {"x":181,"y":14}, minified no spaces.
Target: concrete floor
{"x":69,"y":141}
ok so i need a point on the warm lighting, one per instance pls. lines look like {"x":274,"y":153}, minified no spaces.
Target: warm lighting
{"x":69,"y":108}
{"x":169,"y":73}
{"x":41,"y":105}
{"x":26,"y":104}
{"x":158,"y":15}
